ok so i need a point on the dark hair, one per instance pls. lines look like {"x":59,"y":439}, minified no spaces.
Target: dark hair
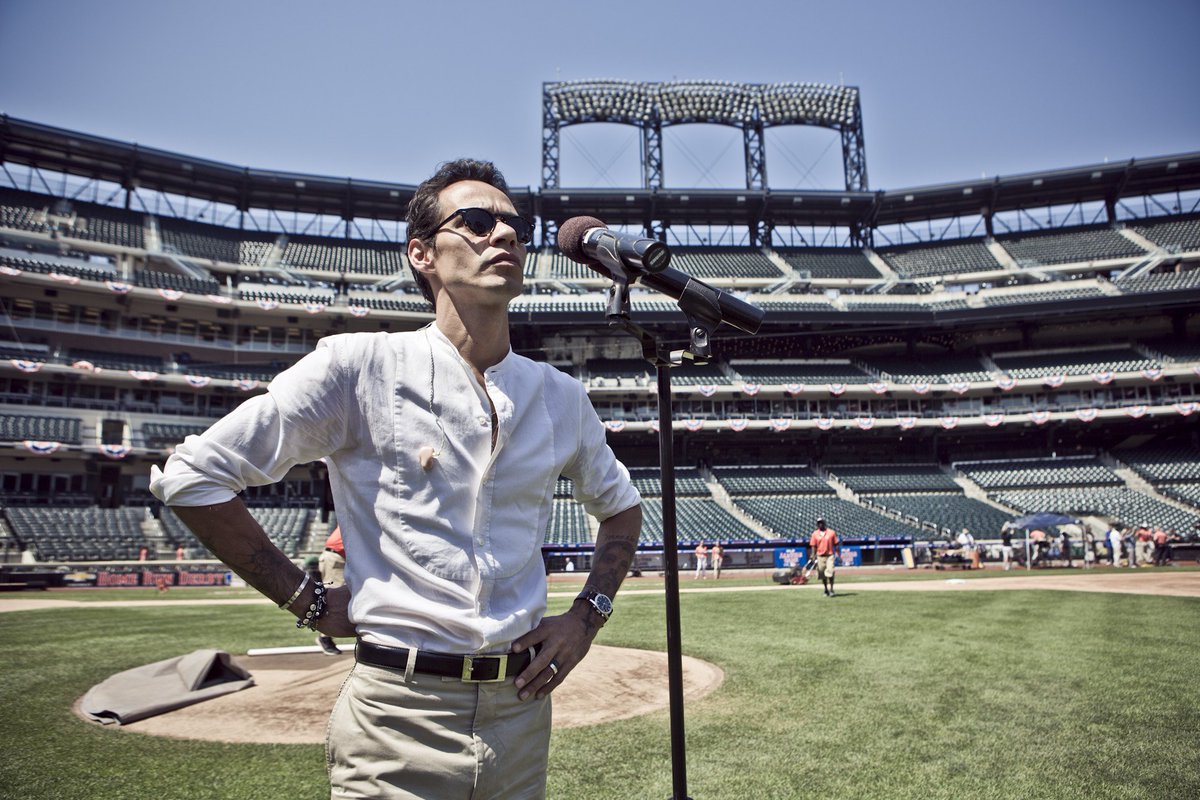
{"x":424,"y":212}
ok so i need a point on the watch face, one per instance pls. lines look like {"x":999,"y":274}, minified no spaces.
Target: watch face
{"x":603,"y":604}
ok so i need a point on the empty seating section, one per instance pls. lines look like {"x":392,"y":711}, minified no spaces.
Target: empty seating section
{"x":601,"y":370}
{"x":871,"y":478}
{"x":46,"y":267}
{"x":1176,"y":349}
{"x":713,"y":263}
{"x":79,"y":534}
{"x":235,"y":372}
{"x":153,"y":279}
{"x":24,"y":211}
{"x":814,"y":372}
{"x":161,"y":434}
{"x":556,"y":265}
{"x":26,"y":427}
{"x":948,"y":511}
{"x":931,"y":261}
{"x":795,"y":516}
{"x":935,"y":368}
{"x":1176,"y":236}
{"x":1185,"y":493}
{"x":1161,"y":282}
{"x":214,"y":242}
{"x":1050,"y":295}
{"x":285,"y":526}
{"x":179,"y":535}
{"x":361,"y":257}
{"x":830,"y":264}
{"x":1163,"y":464}
{"x":688,"y":482}
{"x":782,"y":303}
{"x":568,"y":524}
{"x":22,"y":350}
{"x":757,"y":480}
{"x":1082,"y":362}
{"x":1119,"y":503}
{"x":108,"y":359}
{"x":696,"y":519}
{"x":1068,"y":248}
{"x":1072,"y":471}
{"x":116,"y":226}
{"x":699,"y":375}
{"x":392,"y":302}
{"x":295,"y":295}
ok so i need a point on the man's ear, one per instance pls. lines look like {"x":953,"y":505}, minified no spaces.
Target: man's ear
{"x":420,"y":255}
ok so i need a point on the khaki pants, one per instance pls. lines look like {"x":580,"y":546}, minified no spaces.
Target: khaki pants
{"x":825,"y":566}
{"x":434,"y":738}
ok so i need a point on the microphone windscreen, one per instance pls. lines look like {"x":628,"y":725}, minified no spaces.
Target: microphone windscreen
{"x":570,"y":237}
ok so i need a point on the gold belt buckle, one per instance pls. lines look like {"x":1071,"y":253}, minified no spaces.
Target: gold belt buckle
{"x":501,"y":669}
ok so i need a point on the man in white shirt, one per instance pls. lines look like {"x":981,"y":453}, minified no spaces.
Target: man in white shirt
{"x":444,"y":448}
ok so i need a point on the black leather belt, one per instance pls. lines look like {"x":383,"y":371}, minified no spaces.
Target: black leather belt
{"x":472,"y":669}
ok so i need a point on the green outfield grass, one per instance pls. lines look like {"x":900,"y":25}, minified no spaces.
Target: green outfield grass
{"x":1014,"y":694}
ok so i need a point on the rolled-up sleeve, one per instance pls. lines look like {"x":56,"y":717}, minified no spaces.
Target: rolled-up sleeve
{"x":601,"y":482}
{"x":302,"y":417}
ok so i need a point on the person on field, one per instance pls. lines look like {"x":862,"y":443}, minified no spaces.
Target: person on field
{"x":823,"y":545}
{"x":332,"y":572}
{"x":444,"y":448}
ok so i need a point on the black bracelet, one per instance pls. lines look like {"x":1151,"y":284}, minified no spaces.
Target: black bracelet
{"x":316,"y":608}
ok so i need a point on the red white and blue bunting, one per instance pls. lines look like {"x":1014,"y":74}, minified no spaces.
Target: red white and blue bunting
{"x":118,"y":287}
{"x":865,"y":423}
{"x":115,"y":451}
{"x":220,"y":299}
{"x":170,"y":294}
{"x":836,"y":388}
{"x":779,"y":424}
{"x":1006,"y":383}
{"x":1055,"y":380}
{"x":993,"y":420}
{"x":360,"y":311}
{"x":61,"y":278}
{"x":751,"y":388}
{"x":960,"y":387}
{"x":266,"y":305}
{"x":1104,"y":378}
{"x":797,"y":388}
{"x":144,"y":374}
{"x":1086,"y":414}
{"x":5,"y":269}
{"x":85,"y":365}
{"x":878,"y":387}
{"x":615,"y":425}
{"x":920,"y":387}
{"x":25,"y":365}
{"x":198,"y":381}
{"x":41,"y":448}
{"x":246,"y":384}
{"x":707,"y":389}
{"x":1039,"y":417}
{"x":739,"y":423}
{"x":1186,"y":409}
{"x":825,"y":423}
{"x":693,"y":424}
{"x":1153,"y":374}
{"x":1137,"y":412}
{"x":949,"y":423}
{"x":314,"y":308}
{"x":907,"y":423}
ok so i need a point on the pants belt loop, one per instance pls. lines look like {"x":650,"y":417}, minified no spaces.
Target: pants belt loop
{"x":410,"y":665}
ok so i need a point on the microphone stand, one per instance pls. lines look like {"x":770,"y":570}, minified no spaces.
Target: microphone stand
{"x":703,"y":314}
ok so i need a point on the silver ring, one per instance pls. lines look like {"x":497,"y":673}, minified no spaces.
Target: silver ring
{"x":554,"y":666}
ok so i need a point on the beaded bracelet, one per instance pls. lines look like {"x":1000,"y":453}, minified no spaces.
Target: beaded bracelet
{"x":288,"y":603}
{"x":315,"y":609}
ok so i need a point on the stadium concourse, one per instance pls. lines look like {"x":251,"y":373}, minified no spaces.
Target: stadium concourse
{"x":932,"y":357}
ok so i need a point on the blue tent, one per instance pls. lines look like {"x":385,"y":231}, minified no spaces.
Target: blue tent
{"x":1043,"y":519}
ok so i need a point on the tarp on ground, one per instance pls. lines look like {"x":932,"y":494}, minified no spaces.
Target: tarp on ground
{"x":164,"y":686}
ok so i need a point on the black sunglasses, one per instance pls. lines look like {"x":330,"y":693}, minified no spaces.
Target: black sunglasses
{"x":482,"y":222}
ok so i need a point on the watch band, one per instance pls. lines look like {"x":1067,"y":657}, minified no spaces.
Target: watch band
{"x":599,"y":601}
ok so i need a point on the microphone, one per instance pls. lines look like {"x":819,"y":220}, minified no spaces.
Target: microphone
{"x":587,"y":240}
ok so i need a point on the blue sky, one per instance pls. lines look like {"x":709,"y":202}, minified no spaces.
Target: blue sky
{"x":385,"y":89}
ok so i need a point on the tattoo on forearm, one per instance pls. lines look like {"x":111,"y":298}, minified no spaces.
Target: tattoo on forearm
{"x":610,"y":563}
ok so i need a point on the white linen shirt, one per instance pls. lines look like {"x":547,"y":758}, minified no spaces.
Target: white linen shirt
{"x":447,"y":559}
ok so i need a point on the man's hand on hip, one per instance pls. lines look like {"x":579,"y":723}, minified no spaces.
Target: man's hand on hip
{"x":561,"y":643}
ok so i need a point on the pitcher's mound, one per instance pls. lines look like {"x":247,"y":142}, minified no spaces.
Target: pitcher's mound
{"x":294,"y":693}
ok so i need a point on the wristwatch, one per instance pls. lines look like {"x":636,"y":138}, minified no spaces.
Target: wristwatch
{"x":599,"y":601}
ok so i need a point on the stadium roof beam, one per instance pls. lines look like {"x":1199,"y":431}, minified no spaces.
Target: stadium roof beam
{"x":750,"y":107}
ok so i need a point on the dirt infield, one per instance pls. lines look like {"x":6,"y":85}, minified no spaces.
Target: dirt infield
{"x":610,"y":684}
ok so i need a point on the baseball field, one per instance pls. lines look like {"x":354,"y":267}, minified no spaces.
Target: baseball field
{"x":923,"y":685}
